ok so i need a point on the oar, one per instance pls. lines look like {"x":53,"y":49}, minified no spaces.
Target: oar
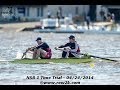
{"x":27,"y":51}
{"x":100,"y":57}
{"x":24,"y":53}
{"x":62,"y":49}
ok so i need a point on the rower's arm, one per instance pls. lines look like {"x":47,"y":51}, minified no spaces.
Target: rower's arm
{"x":31,"y":48}
{"x":73,"y":50}
{"x":62,"y":46}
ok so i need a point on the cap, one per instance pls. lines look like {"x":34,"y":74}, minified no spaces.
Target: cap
{"x":39,"y":38}
{"x":71,"y":37}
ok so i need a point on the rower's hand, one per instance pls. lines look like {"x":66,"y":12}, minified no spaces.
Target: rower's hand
{"x":67,"y":48}
{"x":28,"y":49}
{"x":56,"y":48}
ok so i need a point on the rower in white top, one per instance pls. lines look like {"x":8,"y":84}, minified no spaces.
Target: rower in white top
{"x":71,"y":49}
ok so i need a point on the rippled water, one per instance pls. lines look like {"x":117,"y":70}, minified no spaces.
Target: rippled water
{"x":99,"y":45}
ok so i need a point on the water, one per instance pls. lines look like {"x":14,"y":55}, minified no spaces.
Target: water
{"x":104,"y":73}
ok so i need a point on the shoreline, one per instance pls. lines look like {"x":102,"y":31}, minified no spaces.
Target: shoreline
{"x":16,"y":26}
{"x":19,"y":26}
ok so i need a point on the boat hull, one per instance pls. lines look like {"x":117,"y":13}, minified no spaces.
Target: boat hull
{"x":49,"y":61}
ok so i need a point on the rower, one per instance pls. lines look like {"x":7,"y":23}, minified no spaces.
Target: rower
{"x":42,"y":50}
{"x":71,"y":49}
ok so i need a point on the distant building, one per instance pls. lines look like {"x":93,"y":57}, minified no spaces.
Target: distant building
{"x":38,"y":11}
{"x":35,"y":12}
{"x":22,"y":11}
{"x":112,"y":9}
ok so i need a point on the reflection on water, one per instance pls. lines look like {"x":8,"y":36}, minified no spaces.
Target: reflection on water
{"x":99,"y":45}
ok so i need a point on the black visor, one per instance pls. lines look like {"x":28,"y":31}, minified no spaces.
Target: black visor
{"x":38,"y":39}
{"x":71,"y":37}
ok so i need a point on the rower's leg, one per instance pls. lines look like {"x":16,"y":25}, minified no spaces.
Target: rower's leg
{"x":34,"y":54}
{"x":39,"y":53}
{"x":65,"y":54}
{"x":71,"y":55}
{"x":42,"y":53}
